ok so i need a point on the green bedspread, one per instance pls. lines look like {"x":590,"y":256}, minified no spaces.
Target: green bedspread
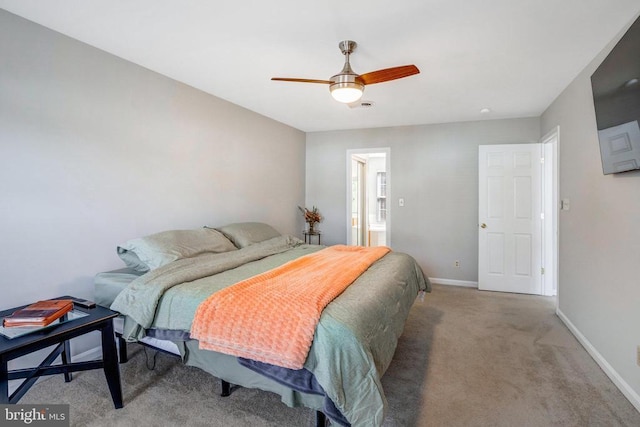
{"x":354,"y":341}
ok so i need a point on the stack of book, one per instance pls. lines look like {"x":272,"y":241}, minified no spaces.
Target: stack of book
{"x":41,"y":313}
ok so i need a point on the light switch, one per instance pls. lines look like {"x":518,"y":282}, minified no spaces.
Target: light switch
{"x":401,"y":202}
{"x":565,"y":204}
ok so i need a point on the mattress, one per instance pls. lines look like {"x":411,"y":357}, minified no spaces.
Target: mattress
{"x":109,"y":284}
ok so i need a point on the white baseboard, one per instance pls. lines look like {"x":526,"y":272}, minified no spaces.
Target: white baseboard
{"x":619,"y":382}
{"x":94,"y":353}
{"x":452,"y":282}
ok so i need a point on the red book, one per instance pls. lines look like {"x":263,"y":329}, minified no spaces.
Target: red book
{"x":41,"y":313}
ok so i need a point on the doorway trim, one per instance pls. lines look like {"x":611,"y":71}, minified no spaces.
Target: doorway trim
{"x":551,"y":206}
{"x":361,"y":151}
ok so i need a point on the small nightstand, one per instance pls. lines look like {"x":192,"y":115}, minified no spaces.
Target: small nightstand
{"x":308,"y":235}
{"x":59,"y":334}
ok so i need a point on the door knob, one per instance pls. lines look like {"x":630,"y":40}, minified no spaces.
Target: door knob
{"x":483,"y":225}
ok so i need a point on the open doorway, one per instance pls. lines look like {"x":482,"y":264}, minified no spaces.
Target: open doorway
{"x":368,"y":190}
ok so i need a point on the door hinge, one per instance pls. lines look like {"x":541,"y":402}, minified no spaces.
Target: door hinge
{"x":542,"y":270}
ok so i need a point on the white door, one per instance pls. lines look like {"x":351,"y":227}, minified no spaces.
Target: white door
{"x":510,"y":248}
{"x":358,"y":201}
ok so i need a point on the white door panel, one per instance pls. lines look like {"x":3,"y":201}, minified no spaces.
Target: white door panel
{"x":509,"y":213}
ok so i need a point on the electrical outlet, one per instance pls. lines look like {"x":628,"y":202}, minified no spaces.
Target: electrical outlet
{"x":456,"y":263}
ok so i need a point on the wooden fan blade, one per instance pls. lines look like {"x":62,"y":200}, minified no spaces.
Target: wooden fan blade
{"x":389,"y":74}
{"x":284,"y":79}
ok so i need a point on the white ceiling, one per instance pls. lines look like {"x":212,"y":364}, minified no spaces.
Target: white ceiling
{"x":513,"y":56}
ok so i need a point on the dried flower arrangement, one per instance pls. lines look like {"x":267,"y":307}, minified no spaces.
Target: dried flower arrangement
{"x":311,"y":216}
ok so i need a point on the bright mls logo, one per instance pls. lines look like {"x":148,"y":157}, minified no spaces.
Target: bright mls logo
{"x":34,"y":415}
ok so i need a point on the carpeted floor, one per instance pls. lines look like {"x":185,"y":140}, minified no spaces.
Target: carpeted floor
{"x":466,"y":358}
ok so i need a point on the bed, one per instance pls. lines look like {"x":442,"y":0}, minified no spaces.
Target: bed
{"x":170,"y":274}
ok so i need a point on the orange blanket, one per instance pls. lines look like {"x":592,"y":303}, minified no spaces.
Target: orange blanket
{"x":272,"y":317}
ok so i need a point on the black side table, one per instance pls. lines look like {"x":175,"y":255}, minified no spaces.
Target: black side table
{"x":308,"y":235}
{"x":98,"y":319}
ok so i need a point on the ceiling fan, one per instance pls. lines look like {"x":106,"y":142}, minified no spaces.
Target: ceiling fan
{"x":347,"y":86}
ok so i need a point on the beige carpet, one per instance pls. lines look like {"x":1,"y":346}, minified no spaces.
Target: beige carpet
{"x":466,"y":358}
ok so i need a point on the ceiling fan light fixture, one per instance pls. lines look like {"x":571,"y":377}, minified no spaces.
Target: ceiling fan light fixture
{"x":347,"y":86}
{"x":346,"y":92}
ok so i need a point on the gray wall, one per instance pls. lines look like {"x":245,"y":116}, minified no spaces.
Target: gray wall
{"x":95,"y":150}
{"x":599,"y":277}
{"x":434,"y":168}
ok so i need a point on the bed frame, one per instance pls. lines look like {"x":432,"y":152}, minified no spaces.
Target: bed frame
{"x":321,"y":418}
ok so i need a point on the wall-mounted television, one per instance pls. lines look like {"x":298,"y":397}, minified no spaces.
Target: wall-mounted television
{"x":616,"y":97}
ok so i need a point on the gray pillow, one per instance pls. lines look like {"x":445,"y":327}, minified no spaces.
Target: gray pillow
{"x":243,"y":234}
{"x":153,"y":251}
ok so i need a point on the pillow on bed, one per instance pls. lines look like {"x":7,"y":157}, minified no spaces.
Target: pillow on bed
{"x":153,"y":251}
{"x":131,"y":260}
{"x":243,"y":234}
